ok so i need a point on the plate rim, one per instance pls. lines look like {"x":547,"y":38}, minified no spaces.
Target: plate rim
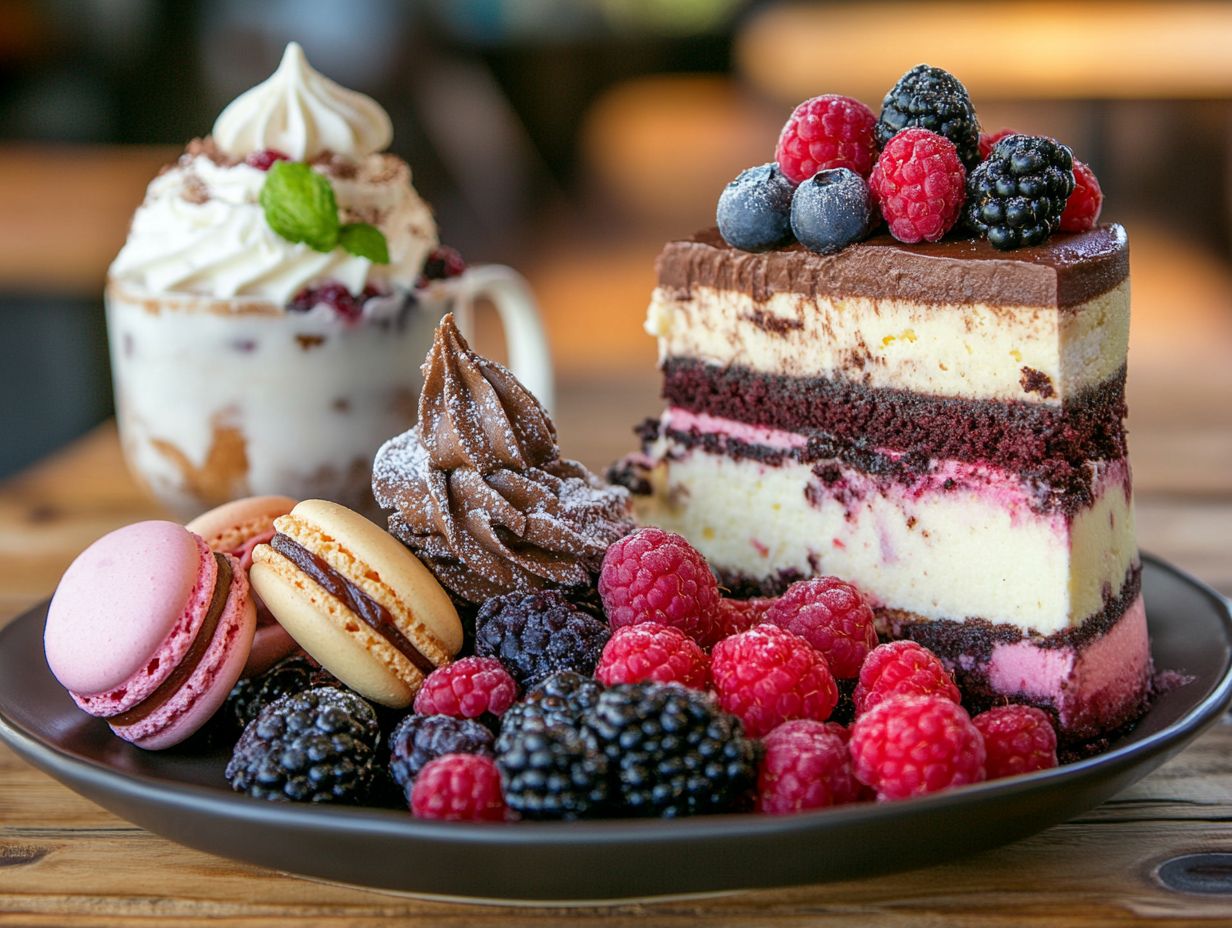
{"x":392,"y":823}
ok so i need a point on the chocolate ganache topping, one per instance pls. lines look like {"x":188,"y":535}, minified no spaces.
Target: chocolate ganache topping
{"x":479,"y":491}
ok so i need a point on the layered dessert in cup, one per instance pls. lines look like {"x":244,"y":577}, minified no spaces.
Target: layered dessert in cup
{"x":279,"y":285}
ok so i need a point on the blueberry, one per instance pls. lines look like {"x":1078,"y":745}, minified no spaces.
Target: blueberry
{"x":831,"y":210}
{"x":755,"y":209}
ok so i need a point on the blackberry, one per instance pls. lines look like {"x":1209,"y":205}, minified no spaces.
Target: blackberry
{"x":586,"y":598}
{"x":290,"y":675}
{"x":537,"y":634}
{"x":672,"y":751}
{"x":563,"y":697}
{"x":1017,"y":196}
{"x":932,"y":99}
{"x":550,"y":770}
{"x":314,"y":746}
{"x":831,"y":210}
{"x":422,"y":738}
{"x":754,"y":211}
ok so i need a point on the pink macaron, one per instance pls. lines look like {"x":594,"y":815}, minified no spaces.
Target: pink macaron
{"x":150,"y":629}
{"x":236,"y":528}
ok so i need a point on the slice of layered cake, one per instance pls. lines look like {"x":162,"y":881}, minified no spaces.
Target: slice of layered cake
{"x":941,"y":424}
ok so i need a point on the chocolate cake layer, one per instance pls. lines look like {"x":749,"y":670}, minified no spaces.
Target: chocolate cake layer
{"x":1015,"y":435}
{"x":1067,"y":270}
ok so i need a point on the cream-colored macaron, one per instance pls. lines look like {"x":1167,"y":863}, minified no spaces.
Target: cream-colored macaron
{"x":355,"y":599}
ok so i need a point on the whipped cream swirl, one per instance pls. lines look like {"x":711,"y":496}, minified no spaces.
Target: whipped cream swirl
{"x":201,"y":229}
{"x":478,"y":489}
{"x":302,"y":113}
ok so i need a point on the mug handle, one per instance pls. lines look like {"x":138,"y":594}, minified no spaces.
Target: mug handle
{"x":525,"y":338}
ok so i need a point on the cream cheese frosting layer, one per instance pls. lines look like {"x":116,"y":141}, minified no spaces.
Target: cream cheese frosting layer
{"x":202,"y":230}
{"x":978,"y":351}
{"x":962,"y":541}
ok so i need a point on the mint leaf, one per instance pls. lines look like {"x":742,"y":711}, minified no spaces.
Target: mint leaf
{"x":299,"y":205}
{"x":364,"y":241}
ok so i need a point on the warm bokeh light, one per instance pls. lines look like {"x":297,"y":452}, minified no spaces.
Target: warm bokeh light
{"x":1001,"y":50}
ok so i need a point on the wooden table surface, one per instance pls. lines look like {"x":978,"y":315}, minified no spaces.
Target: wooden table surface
{"x":63,"y":860}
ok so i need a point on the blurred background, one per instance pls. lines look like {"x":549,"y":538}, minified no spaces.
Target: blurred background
{"x":570,"y":138}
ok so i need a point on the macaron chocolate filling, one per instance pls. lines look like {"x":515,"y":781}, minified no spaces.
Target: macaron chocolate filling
{"x":186,"y":667}
{"x":355,"y":599}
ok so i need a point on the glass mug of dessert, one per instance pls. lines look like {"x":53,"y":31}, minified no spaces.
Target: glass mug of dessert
{"x":279,"y":286}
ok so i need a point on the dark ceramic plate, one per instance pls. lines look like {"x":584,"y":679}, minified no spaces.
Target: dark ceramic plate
{"x":182,"y":795}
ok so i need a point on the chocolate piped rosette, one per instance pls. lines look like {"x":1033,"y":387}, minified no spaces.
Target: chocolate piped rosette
{"x":478,"y":488}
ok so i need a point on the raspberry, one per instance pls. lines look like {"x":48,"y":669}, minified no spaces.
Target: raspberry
{"x":806,"y":766}
{"x":459,"y":788}
{"x":443,"y":262}
{"x":829,"y":131}
{"x":739,"y":615}
{"x":989,"y":139}
{"x":932,"y":99}
{"x":467,"y":689}
{"x":1017,"y":739}
{"x":912,"y":745}
{"x":842,"y":732}
{"x":536,"y":634}
{"x":767,"y":675}
{"x":919,"y":185}
{"x":657,"y":576}
{"x":1016,"y":196}
{"x":653,"y":653}
{"x":831,"y":615}
{"x":265,"y":159}
{"x":902,"y":668}
{"x":1082,"y":208}
{"x":336,"y":296}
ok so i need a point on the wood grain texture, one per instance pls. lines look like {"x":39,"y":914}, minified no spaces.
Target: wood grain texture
{"x":64,"y":860}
